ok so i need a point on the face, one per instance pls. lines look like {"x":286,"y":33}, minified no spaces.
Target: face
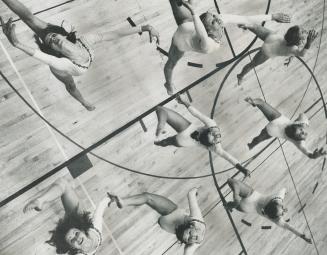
{"x":214,"y":136}
{"x":55,"y":41}
{"x":303,"y":36}
{"x":280,"y":209}
{"x":190,"y":236}
{"x":77,"y":239}
{"x":212,"y":21}
{"x":300,"y":133}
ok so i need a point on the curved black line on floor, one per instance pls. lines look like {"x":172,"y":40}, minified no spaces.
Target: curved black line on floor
{"x":212,"y":113}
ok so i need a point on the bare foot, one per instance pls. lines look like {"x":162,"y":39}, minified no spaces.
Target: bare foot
{"x":89,"y":107}
{"x":170,"y":88}
{"x":250,"y":101}
{"x":239,"y":79}
{"x":34,"y":204}
{"x":160,"y":131}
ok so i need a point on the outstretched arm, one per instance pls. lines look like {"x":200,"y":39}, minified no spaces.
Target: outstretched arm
{"x":204,"y":119}
{"x":195,"y":211}
{"x":117,"y":34}
{"x":238,"y":19}
{"x":99,"y":211}
{"x":258,"y":30}
{"x":287,"y":226}
{"x":318,"y":152}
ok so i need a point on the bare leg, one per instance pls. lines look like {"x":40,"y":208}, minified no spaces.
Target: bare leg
{"x":181,"y":14}
{"x":60,"y":188}
{"x":69,"y":82}
{"x":162,"y":205}
{"x":258,"y":59}
{"x":240,"y":191}
{"x":36,"y":24}
{"x":260,"y":138}
{"x":174,"y":119}
{"x":174,"y":56}
{"x":270,"y":112}
{"x":225,"y":155}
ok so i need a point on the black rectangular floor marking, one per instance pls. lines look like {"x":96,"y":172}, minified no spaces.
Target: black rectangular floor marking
{"x":246,"y":223}
{"x":301,"y":209}
{"x":194,"y":64}
{"x":79,"y":166}
{"x":314,"y":189}
{"x":132,"y":23}
{"x":143,"y":126}
{"x":265,"y":227}
{"x":162,"y":51}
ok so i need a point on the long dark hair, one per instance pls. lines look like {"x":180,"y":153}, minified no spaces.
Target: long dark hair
{"x":271,"y":209}
{"x":75,"y":219}
{"x":292,"y":36}
{"x":290,"y":131}
{"x":40,"y":41}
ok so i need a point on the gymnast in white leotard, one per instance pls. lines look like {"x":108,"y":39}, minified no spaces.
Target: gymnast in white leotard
{"x":189,"y":228}
{"x":280,"y":126}
{"x":66,"y":53}
{"x":248,"y":200}
{"x":295,"y":42}
{"x":203,"y":33}
{"x":207,"y":136}
{"x":79,"y":232}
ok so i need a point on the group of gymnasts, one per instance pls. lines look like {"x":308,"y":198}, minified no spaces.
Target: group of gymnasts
{"x":70,"y":54}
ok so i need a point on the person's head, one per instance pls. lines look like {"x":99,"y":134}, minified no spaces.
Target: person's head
{"x":55,"y":39}
{"x":71,"y":233}
{"x":209,"y":136}
{"x":274,"y":209}
{"x":187,"y":233}
{"x":213,"y":25}
{"x":295,"y":36}
{"x":296,"y":132}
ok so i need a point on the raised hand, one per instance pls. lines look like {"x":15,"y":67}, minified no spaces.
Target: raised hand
{"x":9,"y":30}
{"x":281,"y":17}
{"x":311,"y":36}
{"x":318,"y":153}
{"x":188,"y":6}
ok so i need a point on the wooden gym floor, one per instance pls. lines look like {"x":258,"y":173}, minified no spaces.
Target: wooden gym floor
{"x":125,"y":81}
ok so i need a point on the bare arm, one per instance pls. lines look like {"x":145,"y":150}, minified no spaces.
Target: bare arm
{"x":119,"y":33}
{"x":318,"y":152}
{"x":204,"y":119}
{"x":258,"y":30}
{"x":285,"y":225}
{"x":302,"y":119}
{"x":195,"y":211}
{"x":238,"y":19}
{"x":98,"y":213}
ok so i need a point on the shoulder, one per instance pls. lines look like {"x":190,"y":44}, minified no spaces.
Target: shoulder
{"x":211,"y":45}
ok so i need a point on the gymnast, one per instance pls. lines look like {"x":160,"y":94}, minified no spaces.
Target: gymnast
{"x":189,"y":134}
{"x":67,"y":53}
{"x":280,"y":126}
{"x":189,"y":229}
{"x":202,"y":34}
{"x":77,"y":233}
{"x":248,"y":200}
{"x":295,"y":42}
